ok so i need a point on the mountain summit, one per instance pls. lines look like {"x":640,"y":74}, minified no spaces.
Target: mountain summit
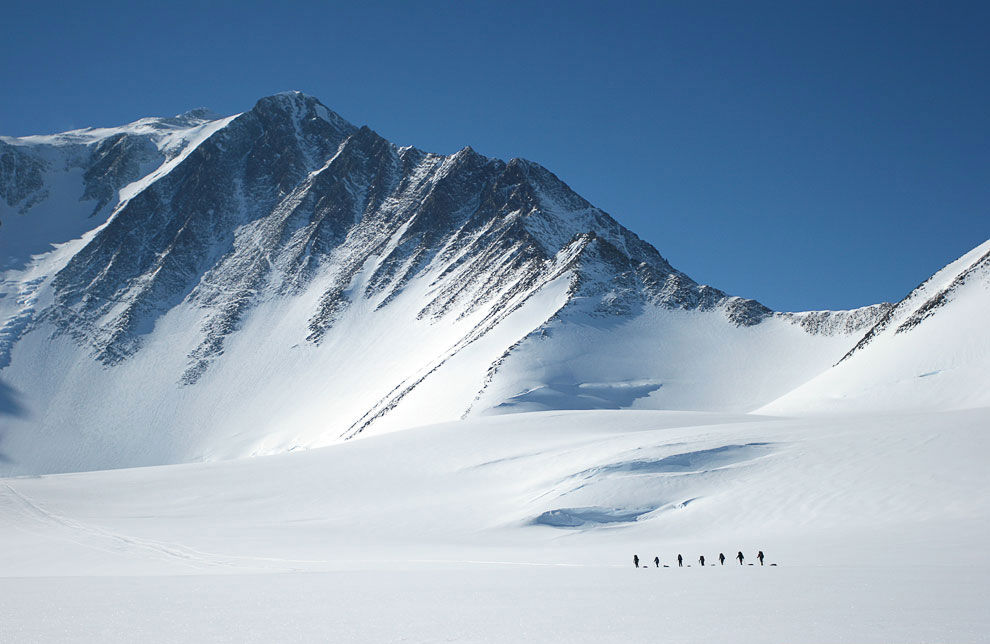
{"x":205,"y":287}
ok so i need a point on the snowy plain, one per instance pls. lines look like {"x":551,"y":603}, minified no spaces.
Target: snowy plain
{"x":456,"y":532}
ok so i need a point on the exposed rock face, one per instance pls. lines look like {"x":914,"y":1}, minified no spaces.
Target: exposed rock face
{"x":21,"y":183}
{"x":289,"y":188}
{"x":115,"y":162}
{"x":831,"y":322}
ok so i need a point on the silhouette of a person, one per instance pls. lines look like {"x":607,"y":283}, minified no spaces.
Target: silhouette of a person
{"x":701,"y":560}
{"x":760,"y":557}
{"x":636,"y":560}
{"x":721,"y":558}
{"x":740,"y":557}
{"x":656,"y":561}
{"x":680,"y":561}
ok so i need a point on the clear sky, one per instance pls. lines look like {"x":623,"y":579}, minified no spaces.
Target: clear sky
{"x":806,"y":154}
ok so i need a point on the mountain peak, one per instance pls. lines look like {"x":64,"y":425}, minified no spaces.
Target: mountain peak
{"x":301,"y":107}
{"x":287,"y":253}
{"x":199,"y":114}
{"x":293,"y":98}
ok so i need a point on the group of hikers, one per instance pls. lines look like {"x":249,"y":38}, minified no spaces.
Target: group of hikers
{"x":701,"y":560}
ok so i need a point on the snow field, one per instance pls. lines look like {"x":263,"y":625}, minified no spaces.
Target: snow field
{"x":878,"y":525}
{"x":493,"y":603}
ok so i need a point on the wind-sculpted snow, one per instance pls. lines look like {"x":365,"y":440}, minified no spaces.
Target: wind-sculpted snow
{"x":685,"y":462}
{"x":584,"y":517}
{"x":586,"y":395}
{"x":649,"y":486}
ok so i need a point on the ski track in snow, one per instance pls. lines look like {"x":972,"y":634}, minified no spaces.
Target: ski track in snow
{"x":91,"y":536}
{"x":61,"y":527}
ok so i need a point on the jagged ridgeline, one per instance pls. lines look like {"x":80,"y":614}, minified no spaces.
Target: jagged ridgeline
{"x":288,"y":188}
{"x":288,"y":257}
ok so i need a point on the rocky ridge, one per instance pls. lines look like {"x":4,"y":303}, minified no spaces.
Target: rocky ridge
{"x":290,"y":190}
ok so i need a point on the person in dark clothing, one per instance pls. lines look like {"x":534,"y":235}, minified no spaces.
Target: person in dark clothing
{"x":656,"y":561}
{"x":701,"y":560}
{"x":721,"y":558}
{"x":680,"y":561}
{"x":740,"y":557}
{"x":636,"y":560}
{"x":760,"y":557}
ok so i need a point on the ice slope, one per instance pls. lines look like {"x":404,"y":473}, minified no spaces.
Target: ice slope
{"x":931,"y":351}
{"x":523,"y":526}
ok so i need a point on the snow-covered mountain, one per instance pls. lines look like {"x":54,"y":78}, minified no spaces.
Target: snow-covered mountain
{"x":206,"y":287}
{"x":201,"y":288}
{"x":930,"y":351}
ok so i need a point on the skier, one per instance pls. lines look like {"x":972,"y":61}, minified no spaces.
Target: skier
{"x":760,"y":557}
{"x":721,"y":558}
{"x":636,"y":560}
{"x":656,"y":561}
{"x":680,"y":561}
{"x":740,"y":557}
{"x":701,"y":560}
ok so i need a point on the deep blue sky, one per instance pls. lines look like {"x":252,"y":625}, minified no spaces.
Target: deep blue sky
{"x":806,"y":154}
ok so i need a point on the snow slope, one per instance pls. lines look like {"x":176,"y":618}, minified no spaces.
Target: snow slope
{"x":931,"y":351}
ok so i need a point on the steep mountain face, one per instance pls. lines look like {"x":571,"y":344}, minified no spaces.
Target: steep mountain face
{"x":930,"y":350}
{"x":160,"y":244}
{"x":55,"y":188}
{"x":23,"y":185}
{"x":282,"y":279}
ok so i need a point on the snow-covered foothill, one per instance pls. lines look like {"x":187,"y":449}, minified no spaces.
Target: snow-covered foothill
{"x":931,"y":351}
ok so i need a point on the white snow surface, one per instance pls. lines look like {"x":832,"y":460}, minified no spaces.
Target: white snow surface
{"x":522,"y":527}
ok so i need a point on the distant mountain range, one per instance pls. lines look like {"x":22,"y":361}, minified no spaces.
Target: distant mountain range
{"x":205,"y":287}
